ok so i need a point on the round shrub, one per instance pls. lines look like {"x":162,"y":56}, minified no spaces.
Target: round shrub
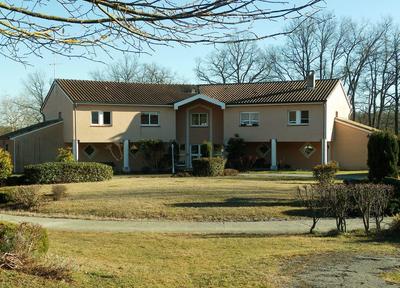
{"x":67,"y":172}
{"x":395,"y":225}
{"x":26,"y":197}
{"x":213,"y":166}
{"x":325,"y":173}
{"x":6,"y":166}
{"x":25,"y":240}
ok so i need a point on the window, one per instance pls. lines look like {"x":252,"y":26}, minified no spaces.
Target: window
{"x":150,"y":118}
{"x":101,"y":118}
{"x":199,"y":120}
{"x":299,"y":117}
{"x":89,"y":151}
{"x":181,"y":155}
{"x":307,"y":150}
{"x":249,"y":118}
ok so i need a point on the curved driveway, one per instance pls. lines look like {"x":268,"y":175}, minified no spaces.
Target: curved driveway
{"x":267,"y":227}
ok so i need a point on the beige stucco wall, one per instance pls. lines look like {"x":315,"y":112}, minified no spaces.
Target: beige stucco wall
{"x":39,"y":146}
{"x":274,"y":123}
{"x":350,"y":146}
{"x":125,"y":124}
{"x":336,"y":104}
{"x":57,"y":102}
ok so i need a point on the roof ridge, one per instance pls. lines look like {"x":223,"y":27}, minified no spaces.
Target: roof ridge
{"x":124,"y":83}
{"x":267,"y":82}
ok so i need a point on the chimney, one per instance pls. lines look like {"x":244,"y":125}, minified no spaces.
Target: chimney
{"x":311,"y":80}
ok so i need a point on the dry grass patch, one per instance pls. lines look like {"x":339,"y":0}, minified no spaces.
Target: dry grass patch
{"x":173,"y":198}
{"x":159,"y":260}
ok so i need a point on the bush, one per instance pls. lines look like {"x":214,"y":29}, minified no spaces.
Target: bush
{"x":235,"y":148}
{"x":26,"y":197}
{"x":231,"y":172}
{"x":26,"y":240}
{"x":65,"y":155}
{"x":325,"y":173}
{"x":59,"y":192}
{"x":6,"y":166}
{"x":394,"y":203}
{"x":208,"y":166}
{"x":383,"y":151}
{"x":395,"y":225}
{"x":153,"y":151}
{"x":67,"y":172}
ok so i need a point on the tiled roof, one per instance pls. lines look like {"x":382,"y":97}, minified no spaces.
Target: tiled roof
{"x":29,"y":129}
{"x":270,"y":92}
{"x":103,"y":92}
{"x":85,"y":91}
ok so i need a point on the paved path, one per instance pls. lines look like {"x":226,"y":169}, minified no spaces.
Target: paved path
{"x":267,"y":227}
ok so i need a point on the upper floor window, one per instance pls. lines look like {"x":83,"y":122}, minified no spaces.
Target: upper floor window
{"x":101,"y":118}
{"x":199,"y":120}
{"x":249,"y":119}
{"x":150,"y":118}
{"x":298,"y":117}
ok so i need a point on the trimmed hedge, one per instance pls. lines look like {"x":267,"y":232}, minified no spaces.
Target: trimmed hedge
{"x":208,"y":166}
{"x":67,"y":172}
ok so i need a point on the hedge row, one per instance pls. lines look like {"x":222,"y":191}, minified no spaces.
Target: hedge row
{"x":67,"y":172}
{"x":208,"y":166}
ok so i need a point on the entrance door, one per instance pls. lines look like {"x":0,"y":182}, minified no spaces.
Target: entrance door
{"x":195,"y":152}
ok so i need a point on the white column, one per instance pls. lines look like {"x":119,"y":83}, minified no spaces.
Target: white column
{"x":324,"y":151}
{"x":75,"y":149}
{"x":126,"y":156}
{"x":274,"y":166}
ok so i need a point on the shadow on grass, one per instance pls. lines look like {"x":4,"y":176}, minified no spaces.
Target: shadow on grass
{"x":241,"y":202}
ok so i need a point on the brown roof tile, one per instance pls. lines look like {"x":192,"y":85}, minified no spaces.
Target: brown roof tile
{"x":103,"y":92}
{"x":270,"y":92}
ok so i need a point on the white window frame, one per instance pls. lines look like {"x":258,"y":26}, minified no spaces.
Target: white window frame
{"x":198,"y":125}
{"x":100,"y":117}
{"x":298,"y":118}
{"x":150,"y":113}
{"x":251,"y":123}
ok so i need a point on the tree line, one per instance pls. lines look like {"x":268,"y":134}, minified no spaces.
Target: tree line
{"x":365,"y":56}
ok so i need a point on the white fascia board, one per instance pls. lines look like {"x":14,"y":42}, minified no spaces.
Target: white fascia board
{"x":199,"y":97}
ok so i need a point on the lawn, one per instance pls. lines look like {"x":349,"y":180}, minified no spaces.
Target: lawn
{"x":160,"y":260}
{"x":240,"y":198}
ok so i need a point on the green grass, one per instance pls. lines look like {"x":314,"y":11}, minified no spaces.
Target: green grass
{"x":159,"y":260}
{"x":173,"y":198}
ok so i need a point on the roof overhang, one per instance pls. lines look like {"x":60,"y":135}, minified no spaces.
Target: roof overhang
{"x":199,"y":97}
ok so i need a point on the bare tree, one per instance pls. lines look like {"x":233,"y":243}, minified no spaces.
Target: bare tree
{"x":29,"y":27}
{"x":16,"y":116}
{"x":129,"y":69}
{"x":237,"y":62}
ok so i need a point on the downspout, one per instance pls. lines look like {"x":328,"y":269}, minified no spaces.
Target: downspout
{"x":324,"y":141}
{"x":15,"y":157}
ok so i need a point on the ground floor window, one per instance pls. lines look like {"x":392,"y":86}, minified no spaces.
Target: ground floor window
{"x":181,"y":155}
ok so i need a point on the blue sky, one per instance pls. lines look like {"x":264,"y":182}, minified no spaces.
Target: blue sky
{"x":179,"y":59}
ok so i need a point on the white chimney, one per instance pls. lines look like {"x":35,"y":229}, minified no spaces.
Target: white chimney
{"x":311,"y":80}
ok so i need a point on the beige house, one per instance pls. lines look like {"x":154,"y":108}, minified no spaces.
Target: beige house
{"x":292,"y":124}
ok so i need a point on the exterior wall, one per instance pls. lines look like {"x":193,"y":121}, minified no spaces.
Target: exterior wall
{"x":274,"y":123}
{"x":336,"y":104}
{"x":103,"y":154}
{"x":288,"y":154}
{"x":125,"y":124}
{"x":38,"y":147}
{"x":350,"y":146}
{"x":198,"y":135}
{"x":57,"y":102}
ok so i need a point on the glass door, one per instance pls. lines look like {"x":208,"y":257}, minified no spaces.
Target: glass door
{"x":195,"y":152}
